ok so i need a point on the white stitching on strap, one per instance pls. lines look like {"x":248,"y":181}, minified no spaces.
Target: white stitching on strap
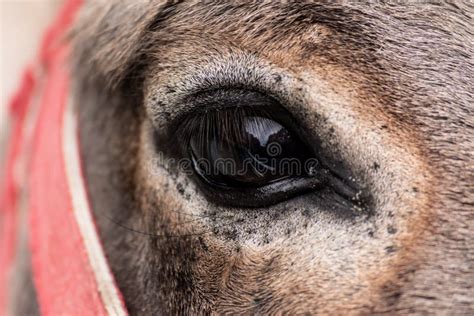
{"x":82,"y":212}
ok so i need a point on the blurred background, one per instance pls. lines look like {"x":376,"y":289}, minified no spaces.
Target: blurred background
{"x":22,"y":22}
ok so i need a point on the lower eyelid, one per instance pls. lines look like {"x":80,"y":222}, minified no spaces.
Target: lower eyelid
{"x":265,"y":196}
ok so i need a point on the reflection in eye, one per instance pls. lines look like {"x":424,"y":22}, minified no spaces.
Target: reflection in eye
{"x":250,"y":151}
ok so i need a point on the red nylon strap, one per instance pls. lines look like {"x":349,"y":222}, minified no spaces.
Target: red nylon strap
{"x":9,"y":189}
{"x":65,"y":276}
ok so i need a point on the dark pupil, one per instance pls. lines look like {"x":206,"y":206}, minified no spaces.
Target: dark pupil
{"x":252,"y":152}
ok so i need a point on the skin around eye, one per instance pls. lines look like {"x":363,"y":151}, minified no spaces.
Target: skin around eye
{"x":245,"y":150}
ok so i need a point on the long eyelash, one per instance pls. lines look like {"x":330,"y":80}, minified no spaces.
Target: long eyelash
{"x":226,"y":124}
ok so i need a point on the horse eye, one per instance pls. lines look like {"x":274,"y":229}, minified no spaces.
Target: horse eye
{"x":257,"y":152}
{"x":245,"y":151}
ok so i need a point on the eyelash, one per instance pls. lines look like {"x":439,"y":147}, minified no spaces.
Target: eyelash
{"x":208,"y":121}
{"x":206,"y":105}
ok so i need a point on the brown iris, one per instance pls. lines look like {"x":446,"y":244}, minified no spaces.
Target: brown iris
{"x":250,"y":150}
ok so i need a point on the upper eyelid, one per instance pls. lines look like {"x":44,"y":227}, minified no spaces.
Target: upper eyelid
{"x":166,"y":101}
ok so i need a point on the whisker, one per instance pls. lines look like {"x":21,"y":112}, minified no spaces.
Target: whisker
{"x":151,"y":234}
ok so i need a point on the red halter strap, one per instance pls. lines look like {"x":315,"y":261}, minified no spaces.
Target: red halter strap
{"x":70,"y":271}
